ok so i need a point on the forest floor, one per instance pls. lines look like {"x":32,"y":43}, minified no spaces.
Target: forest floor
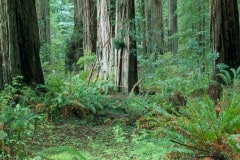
{"x":95,"y":142}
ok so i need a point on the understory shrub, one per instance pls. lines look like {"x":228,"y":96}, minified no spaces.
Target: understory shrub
{"x":17,"y":123}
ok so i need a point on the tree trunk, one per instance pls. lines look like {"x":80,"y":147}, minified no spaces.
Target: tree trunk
{"x":225,"y":32}
{"x":19,"y":42}
{"x":143,"y":40}
{"x":172,"y":25}
{"x":89,"y":25}
{"x":125,"y":56}
{"x":43,"y":13}
{"x":157,"y":30}
{"x":104,"y":48}
{"x":75,"y":46}
{"x":147,"y":13}
{"x":154,"y":30}
{"x":89,"y":29}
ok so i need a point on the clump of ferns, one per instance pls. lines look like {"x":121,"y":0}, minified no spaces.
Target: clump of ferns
{"x":205,"y":129}
{"x":229,"y":76}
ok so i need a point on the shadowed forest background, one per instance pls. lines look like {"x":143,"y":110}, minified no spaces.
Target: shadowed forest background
{"x":119,"y":79}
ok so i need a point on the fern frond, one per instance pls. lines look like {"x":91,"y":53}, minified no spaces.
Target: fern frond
{"x":234,"y":72}
{"x":225,"y":76}
{"x":238,"y":70}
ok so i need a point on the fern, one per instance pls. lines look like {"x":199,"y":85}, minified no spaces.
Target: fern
{"x":236,"y":74}
{"x":202,"y":131}
{"x":225,"y":75}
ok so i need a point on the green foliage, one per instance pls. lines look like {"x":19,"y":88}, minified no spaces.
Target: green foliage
{"x":118,"y":43}
{"x":61,"y":153}
{"x":225,"y":76}
{"x":87,"y":59}
{"x":146,"y":147}
{"x":45,"y":53}
{"x":88,"y":96}
{"x":17,"y":122}
{"x":205,"y":130}
{"x":119,"y":134}
{"x":120,"y":143}
{"x":18,"y":125}
{"x":75,"y":96}
{"x":61,"y":18}
{"x":182,"y":72}
{"x":192,"y":26}
{"x":61,"y":24}
{"x":230,"y":76}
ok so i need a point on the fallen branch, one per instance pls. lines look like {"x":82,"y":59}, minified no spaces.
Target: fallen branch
{"x":137,"y":84}
{"x":95,"y":62}
{"x":92,"y":70}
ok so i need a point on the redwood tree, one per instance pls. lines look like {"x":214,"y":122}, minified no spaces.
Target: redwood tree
{"x":225,"y":32}
{"x":19,"y":42}
{"x":157,"y":29}
{"x":154,"y":30}
{"x":89,"y":25}
{"x":125,"y":56}
{"x":105,"y":53}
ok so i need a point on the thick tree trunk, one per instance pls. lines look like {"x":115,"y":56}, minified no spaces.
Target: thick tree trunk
{"x":225,"y":32}
{"x":75,"y":46}
{"x":172,"y":25}
{"x":19,"y":42}
{"x":104,"y":48}
{"x":125,"y":56}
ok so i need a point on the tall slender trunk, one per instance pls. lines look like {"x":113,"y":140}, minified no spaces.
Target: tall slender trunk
{"x":89,"y":25}
{"x":147,"y":13}
{"x":172,"y":25}
{"x":157,"y":29}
